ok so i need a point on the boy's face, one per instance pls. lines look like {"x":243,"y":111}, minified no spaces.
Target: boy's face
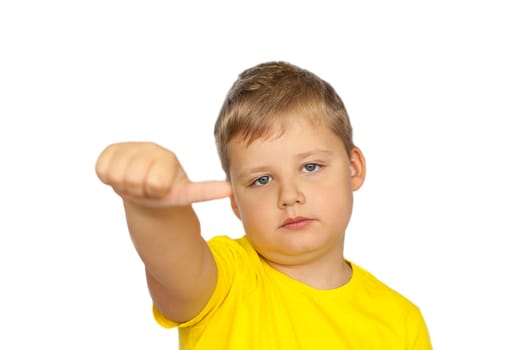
{"x":293,"y":192}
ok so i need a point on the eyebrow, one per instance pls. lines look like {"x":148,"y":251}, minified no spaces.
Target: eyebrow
{"x":247,"y":172}
{"x":312,"y":152}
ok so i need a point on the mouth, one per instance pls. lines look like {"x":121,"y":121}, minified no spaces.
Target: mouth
{"x":296,"y":223}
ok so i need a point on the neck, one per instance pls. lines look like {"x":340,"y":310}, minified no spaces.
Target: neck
{"x":322,"y":275}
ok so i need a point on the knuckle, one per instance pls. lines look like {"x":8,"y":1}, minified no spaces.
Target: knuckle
{"x":156,"y":185}
{"x":152,"y":149}
{"x":132,"y":184}
{"x":101,"y":171}
{"x":114,"y":179}
{"x":102,"y":165}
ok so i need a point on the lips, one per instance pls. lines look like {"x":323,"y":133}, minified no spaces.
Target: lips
{"x":296,"y":223}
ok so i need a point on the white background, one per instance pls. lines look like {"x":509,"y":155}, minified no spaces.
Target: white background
{"x":435,"y":91}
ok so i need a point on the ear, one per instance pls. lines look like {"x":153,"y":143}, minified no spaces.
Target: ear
{"x":235,"y":206}
{"x":357,"y":168}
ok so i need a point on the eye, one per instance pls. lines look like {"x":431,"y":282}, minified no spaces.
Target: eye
{"x":311,"y":167}
{"x":263,"y":180}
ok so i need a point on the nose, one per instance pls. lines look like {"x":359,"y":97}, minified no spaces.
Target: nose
{"x":289,"y":195}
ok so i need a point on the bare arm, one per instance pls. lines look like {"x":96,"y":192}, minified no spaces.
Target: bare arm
{"x":165,"y":230}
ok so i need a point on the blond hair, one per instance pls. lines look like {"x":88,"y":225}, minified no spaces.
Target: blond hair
{"x":264,"y":95}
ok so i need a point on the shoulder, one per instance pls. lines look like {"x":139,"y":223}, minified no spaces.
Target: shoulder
{"x":390,"y":306}
{"x":372,"y":287}
{"x":235,"y":258}
{"x":376,"y":294}
{"x":229,"y":248}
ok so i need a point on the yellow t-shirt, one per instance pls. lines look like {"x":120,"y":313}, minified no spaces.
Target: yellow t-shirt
{"x":255,"y":306}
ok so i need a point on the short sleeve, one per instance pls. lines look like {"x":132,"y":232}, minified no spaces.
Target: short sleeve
{"x":230,"y":257}
{"x":418,"y":337}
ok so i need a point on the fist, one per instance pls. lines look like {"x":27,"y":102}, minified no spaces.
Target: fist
{"x":149,"y":174}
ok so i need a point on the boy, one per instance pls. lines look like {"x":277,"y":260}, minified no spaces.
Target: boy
{"x":285,"y":143}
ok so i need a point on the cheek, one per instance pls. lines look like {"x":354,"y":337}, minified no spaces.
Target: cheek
{"x":335,"y":197}
{"x":253,"y":207}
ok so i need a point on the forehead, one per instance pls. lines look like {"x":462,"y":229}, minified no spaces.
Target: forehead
{"x":267,"y":128}
{"x":279,"y":130}
{"x":284,"y":143}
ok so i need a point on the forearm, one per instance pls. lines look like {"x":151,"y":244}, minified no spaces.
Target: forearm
{"x":169,"y":243}
{"x":181,"y":271}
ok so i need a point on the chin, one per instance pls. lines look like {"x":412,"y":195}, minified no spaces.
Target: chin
{"x":301,"y":250}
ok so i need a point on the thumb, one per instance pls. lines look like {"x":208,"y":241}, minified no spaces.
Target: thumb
{"x":183,"y":194}
{"x":193,"y":192}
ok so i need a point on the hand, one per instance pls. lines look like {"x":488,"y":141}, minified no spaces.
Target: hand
{"x":150,"y":175}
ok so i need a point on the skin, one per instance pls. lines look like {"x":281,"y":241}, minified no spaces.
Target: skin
{"x":163,"y":226}
{"x":304,"y":172}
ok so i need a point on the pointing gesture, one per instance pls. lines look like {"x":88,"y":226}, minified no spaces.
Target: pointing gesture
{"x":150,"y":175}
